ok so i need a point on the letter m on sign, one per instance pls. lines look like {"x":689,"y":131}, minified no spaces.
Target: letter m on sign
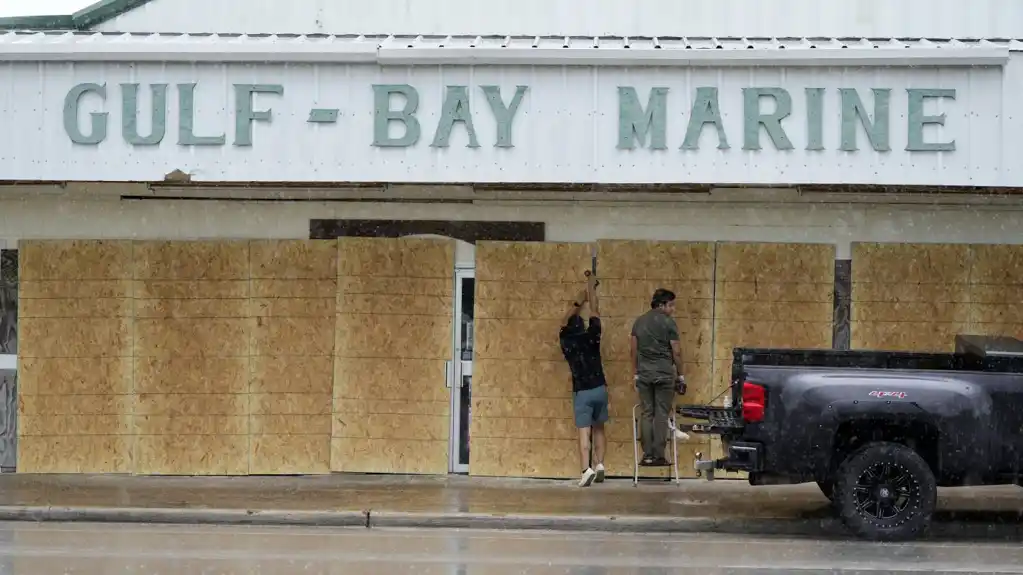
{"x":635,"y":123}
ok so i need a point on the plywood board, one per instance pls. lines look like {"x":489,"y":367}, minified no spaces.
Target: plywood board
{"x":289,"y":454}
{"x":943,"y":290}
{"x":192,"y":454}
{"x":392,"y":338}
{"x":996,"y":281}
{"x":911,"y":297}
{"x":534,"y":378}
{"x":75,"y":352}
{"x":515,"y":457}
{"x":63,"y":260}
{"x":75,"y":454}
{"x":191,"y":375}
{"x":630,"y":272}
{"x":292,"y":379}
{"x":770,"y":295}
{"x":522,"y":389}
{"x":889,"y":263}
{"x":197,"y":260}
{"x":193,"y":332}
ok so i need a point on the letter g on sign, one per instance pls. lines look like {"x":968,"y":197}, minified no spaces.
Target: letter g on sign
{"x":98,"y":128}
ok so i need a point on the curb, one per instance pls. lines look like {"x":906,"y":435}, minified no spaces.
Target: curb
{"x":602,"y":523}
{"x":185,"y":516}
{"x":786,"y":527}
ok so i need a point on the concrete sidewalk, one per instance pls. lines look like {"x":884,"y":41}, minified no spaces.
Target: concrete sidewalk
{"x":403,"y":501}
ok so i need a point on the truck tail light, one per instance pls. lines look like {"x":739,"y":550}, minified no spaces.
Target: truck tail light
{"x":754,"y":398}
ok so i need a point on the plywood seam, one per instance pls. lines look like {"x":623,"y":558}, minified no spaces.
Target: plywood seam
{"x":250,"y":371}
{"x":134,"y":392}
{"x":338,"y":292}
{"x":972,"y":314}
{"x":713,"y":315}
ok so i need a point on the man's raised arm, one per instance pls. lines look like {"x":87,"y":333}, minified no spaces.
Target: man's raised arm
{"x":591,"y":296}
{"x":577,"y":303}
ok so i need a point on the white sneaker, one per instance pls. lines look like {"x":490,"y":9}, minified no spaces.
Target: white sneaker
{"x":600,"y":473}
{"x":588,"y":476}
{"x":679,"y":434}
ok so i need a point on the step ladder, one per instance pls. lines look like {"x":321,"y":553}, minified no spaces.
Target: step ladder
{"x":671,"y":439}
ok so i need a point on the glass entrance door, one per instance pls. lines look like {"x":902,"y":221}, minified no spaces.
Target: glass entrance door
{"x":460,"y":371}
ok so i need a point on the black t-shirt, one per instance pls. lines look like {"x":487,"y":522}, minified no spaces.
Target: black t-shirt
{"x":582,"y":351}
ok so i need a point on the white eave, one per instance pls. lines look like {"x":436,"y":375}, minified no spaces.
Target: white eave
{"x":510,"y":50}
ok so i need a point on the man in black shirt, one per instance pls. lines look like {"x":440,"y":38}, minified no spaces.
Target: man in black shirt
{"x":581,"y":346}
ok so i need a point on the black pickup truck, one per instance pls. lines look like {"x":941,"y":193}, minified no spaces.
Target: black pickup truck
{"x":878,"y":431}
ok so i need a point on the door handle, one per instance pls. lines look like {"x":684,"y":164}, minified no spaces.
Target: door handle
{"x":449,"y":374}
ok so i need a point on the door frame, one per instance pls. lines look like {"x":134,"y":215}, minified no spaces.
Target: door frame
{"x":457,"y":369}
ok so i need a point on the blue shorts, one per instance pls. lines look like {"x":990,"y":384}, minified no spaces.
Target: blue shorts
{"x":590,"y":406}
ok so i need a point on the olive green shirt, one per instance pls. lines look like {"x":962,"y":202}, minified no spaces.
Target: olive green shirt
{"x":654,"y":331}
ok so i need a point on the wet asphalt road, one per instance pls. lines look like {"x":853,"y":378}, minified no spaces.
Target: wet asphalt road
{"x":111,"y":549}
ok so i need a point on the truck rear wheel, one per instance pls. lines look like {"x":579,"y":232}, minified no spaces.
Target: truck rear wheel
{"x":885,"y":492}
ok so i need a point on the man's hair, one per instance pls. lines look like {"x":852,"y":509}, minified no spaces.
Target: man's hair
{"x":661,"y":297}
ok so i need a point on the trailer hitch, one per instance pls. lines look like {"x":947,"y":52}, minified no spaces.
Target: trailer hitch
{"x":702,"y":465}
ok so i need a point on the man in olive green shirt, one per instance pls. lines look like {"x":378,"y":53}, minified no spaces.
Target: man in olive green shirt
{"x":657,"y":360}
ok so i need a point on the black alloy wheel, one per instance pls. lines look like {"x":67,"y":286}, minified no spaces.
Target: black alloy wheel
{"x":885,"y":492}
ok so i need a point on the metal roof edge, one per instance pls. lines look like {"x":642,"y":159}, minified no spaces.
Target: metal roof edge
{"x":80,"y":46}
{"x":809,"y":40}
{"x":87,"y":17}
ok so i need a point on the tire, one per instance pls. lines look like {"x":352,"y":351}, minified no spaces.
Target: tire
{"x":885,"y":492}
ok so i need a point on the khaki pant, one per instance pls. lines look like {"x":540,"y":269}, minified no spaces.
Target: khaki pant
{"x":656,"y":398}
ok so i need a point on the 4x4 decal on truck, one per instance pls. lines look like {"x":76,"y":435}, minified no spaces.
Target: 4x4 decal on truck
{"x":884,"y":394}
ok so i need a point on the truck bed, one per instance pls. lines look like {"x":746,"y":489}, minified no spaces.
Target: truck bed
{"x":971,"y":356}
{"x":870,"y":359}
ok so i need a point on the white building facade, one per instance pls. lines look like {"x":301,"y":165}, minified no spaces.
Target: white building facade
{"x":806,"y":118}
{"x":693,"y":108}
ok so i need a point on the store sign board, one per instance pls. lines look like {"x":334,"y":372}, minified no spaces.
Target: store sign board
{"x":139,"y":122}
{"x":641,"y":124}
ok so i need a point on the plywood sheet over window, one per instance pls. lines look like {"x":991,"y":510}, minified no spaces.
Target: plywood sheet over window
{"x":522,"y":390}
{"x":75,"y":404}
{"x":996,"y":290}
{"x":915,"y":297}
{"x":393,"y":336}
{"x":193,"y":330}
{"x":770,"y":295}
{"x":630,"y":271}
{"x":294,"y":286}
